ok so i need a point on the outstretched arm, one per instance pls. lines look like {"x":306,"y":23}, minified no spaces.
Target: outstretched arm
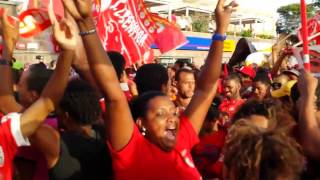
{"x":308,"y":125}
{"x":277,"y":61}
{"x":206,"y":85}
{"x":120,"y":123}
{"x":10,"y":34}
{"x":80,"y":61}
{"x":52,"y":93}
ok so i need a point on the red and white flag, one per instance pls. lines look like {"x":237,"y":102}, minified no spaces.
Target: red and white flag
{"x":128,"y":27}
{"x":313,"y":26}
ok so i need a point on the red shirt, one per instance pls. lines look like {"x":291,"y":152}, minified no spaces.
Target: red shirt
{"x":208,"y":154}
{"x":230,"y":106}
{"x":142,"y":160}
{"x":10,"y":139}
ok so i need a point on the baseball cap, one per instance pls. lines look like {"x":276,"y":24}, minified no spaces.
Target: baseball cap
{"x":292,"y":71}
{"x":285,"y":89}
{"x":247,"y":70}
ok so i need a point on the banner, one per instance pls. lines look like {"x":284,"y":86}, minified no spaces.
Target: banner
{"x":33,"y":21}
{"x":128,"y":27}
{"x":313,"y":25}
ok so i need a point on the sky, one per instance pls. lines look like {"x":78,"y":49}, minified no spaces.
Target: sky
{"x":267,"y":6}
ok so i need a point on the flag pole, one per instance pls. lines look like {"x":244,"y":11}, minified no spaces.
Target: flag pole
{"x":306,"y":57}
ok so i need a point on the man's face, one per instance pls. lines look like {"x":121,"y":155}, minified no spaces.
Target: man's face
{"x":26,"y":97}
{"x":231,"y":88}
{"x":260,"y":90}
{"x":246,"y":81}
{"x":186,"y":85}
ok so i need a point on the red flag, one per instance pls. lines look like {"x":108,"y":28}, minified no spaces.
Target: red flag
{"x":33,"y":21}
{"x":128,"y":27}
{"x":167,"y":35}
{"x":313,"y":25}
{"x":121,"y":29}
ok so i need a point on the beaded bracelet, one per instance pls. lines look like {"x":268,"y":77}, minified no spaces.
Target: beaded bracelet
{"x":92,"y":31}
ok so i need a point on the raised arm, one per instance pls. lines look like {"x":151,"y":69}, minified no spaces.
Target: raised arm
{"x":10,"y":34}
{"x":80,"y":61}
{"x":52,"y":93}
{"x":277,"y":60}
{"x":308,"y":124}
{"x":120,"y":123}
{"x":206,"y":84}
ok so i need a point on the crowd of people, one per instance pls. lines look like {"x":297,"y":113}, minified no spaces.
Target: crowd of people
{"x":179,"y":122}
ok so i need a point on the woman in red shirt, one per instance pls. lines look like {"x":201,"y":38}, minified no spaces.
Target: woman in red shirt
{"x":158,"y":146}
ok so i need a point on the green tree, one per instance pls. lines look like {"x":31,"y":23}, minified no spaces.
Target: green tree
{"x":246,"y":33}
{"x":200,"y":24}
{"x":290,"y":16}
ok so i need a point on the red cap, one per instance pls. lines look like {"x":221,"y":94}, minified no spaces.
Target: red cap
{"x":247,"y":70}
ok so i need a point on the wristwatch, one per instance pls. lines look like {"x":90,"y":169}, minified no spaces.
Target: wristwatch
{"x":219,"y":37}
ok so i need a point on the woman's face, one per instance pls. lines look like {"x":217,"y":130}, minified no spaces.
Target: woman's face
{"x":161,"y":122}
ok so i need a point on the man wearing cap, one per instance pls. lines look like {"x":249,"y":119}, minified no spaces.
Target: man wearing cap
{"x":247,"y":74}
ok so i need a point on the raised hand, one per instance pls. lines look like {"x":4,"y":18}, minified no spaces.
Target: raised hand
{"x":307,"y":84}
{"x":63,"y":31}
{"x":79,"y":9}
{"x":223,"y":14}
{"x":9,"y":29}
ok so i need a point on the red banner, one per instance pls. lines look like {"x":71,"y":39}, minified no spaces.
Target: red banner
{"x":33,"y":21}
{"x":313,"y":26}
{"x":128,"y":27}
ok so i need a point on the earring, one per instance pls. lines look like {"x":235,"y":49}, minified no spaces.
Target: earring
{"x":143,"y":129}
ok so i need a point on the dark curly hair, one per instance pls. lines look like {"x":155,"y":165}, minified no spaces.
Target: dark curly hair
{"x":272,"y":109}
{"x":151,"y":77}
{"x":117,"y":61}
{"x":38,"y":77}
{"x":255,"y":153}
{"x":81,"y":101}
{"x":139,"y":105}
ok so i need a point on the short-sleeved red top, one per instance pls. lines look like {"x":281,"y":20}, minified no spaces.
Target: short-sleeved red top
{"x":10,"y":139}
{"x":208,"y":154}
{"x":142,"y":160}
{"x":230,"y":106}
